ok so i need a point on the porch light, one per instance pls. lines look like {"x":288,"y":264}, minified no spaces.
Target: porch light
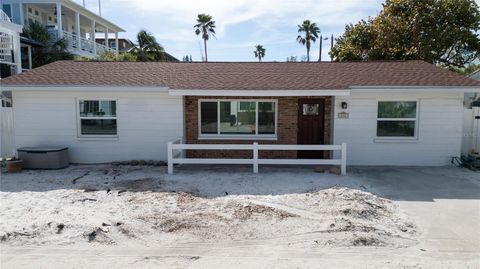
{"x":344,"y":105}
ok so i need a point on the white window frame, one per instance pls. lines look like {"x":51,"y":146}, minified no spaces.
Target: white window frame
{"x":220,"y":136}
{"x":79,"y":119}
{"x":413,"y":138}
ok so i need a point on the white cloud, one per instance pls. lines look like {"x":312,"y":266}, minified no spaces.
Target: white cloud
{"x":240,"y":23}
{"x":265,"y":13}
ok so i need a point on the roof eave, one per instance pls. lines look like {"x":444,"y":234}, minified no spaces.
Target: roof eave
{"x":461,"y":89}
{"x":13,"y":27}
{"x":88,"y":88}
{"x":253,"y":92}
{"x":74,"y":6}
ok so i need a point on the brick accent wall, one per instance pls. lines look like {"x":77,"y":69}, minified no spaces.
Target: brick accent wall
{"x":286,"y":128}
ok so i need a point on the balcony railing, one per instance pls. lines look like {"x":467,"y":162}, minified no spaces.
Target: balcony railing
{"x":4,"y":16}
{"x":101,"y":48}
{"x":72,"y":40}
{"x":6,"y":48}
{"x":84,"y":45}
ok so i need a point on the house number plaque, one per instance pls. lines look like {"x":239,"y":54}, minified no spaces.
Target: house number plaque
{"x":343,"y":115}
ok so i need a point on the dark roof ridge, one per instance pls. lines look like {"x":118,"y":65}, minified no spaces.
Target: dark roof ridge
{"x":250,"y":62}
{"x":242,"y":75}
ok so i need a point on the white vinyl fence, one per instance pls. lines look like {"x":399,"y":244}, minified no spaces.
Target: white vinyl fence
{"x":471,"y":130}
{"x":7,"y":145}
{"x":176,"y":156}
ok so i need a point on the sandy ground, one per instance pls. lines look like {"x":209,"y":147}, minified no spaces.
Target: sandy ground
{"x":137,"y":216}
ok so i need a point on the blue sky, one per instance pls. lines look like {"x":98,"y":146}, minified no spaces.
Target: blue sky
{"x":241,"y":24}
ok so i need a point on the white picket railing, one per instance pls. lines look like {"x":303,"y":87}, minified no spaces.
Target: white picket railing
{"x":4,"y":16}
{"x":176,"y":156}
{"x":102,"y":48}
{"x":85,"y":44}
{"x":6,"y":38}
{"x":6,"y":48}
{"x":71,"y":39}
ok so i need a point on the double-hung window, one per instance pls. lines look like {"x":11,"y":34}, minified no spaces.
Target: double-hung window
{"x":237,"y":118}
{"x":97,"y":118}
{"x":397,"y":119}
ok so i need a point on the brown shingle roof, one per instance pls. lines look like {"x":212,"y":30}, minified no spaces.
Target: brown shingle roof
{"x":240,"y":76}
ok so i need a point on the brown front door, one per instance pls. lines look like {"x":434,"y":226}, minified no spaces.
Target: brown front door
{"x":310,"y":126}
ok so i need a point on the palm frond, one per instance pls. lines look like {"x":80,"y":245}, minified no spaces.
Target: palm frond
{"x":205,"y":26}
{"x":311,"y":31}
{"x":259,"y":51}
{"x":147,"y":48}
{"x":301,"y":40}
{"x":38,"y":32}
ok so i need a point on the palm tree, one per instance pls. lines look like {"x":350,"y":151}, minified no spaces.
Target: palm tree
{"x":311,"y":34}
{"x":206,"y":27}
{"x":259,"y":52}
{"x":147,"y":48}
{"x":49,"y":49}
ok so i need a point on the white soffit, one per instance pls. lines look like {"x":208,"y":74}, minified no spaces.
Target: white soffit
{"x":259,"y":92}
{"x":72,"y":88}
{"x":414,"y":89}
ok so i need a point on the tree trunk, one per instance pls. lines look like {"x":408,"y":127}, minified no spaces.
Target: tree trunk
{"x":308,"y":50}
{"x":205,"y":46}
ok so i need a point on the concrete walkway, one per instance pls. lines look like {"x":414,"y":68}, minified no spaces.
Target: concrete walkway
{"x":444,"y":203}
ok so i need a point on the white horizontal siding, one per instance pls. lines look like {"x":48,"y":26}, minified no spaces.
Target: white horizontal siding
{"x":439,"y":130}
{"x":145,"y":123}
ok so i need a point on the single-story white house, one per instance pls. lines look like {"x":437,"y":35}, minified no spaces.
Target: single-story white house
{"x":386,"y":112}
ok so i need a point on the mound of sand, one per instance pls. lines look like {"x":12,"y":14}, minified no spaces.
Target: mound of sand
{"x":113,"y":207}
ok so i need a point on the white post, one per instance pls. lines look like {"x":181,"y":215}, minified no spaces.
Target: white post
{"x":92,"y":38}
{"x":106,"y":37}
{"x":255,"y":157}
{"x":29,"y":57}
{"x":170,"y":157}
{"x":116,"y":43}
{"x":17,"y":52}
{"x":59,"y":20}
{"x":475,"y":131}
{"x":23,"y":10}
{"x":344,"y":159}
{"x":77,"y":24}
{"x":183,"y":153}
